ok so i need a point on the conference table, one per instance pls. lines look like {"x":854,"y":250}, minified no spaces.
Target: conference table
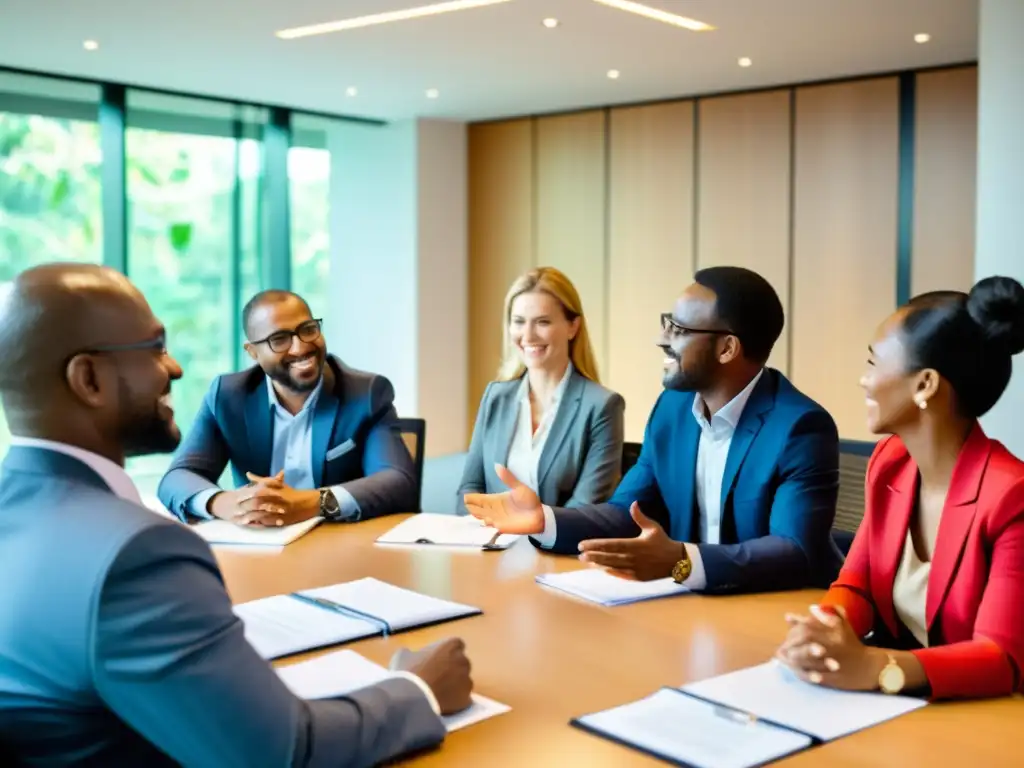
{"x":552,"y":657}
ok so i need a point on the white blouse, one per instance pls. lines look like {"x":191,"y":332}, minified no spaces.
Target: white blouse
{"x":527,"y":445}
{"x":910,"y":592}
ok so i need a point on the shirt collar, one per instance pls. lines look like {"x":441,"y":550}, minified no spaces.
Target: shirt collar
{"x":310,"y":404}
{"x":729,"y":415}
{"x":524,"y":387}
{"x":110,"y":473}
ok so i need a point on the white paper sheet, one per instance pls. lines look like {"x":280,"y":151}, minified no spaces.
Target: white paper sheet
{"x":335,"y":674}
{"x":218,"y":532}
{"x":281,"y":625}
{"x":431,"y":529}
{"x":400,"y":608}
{"x":773,"y":692}
{"x":678,"y":727}
{"x":598,"y":586}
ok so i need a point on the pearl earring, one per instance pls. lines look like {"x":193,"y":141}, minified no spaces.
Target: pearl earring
{"x":922,"y":404}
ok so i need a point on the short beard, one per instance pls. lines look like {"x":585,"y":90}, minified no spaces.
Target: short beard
{"x":699,"y":378}
{"x":143,"y":430}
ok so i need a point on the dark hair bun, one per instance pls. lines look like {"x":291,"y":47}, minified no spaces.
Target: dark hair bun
{"x":997,"y":305}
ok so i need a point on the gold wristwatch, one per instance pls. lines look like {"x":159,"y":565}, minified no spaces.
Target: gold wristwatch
{"x":891,"y":679}
{"x":681,"y":570}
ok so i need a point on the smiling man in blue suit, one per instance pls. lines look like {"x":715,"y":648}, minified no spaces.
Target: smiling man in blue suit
{"x":304,"y":434}
{"x":736,"y":484}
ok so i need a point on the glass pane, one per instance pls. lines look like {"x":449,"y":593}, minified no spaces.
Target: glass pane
{"x":181,"y":230}
{"x":50,"y":192}
{"x":309,"y":180}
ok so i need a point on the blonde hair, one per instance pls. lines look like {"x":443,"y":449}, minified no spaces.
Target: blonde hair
{"x":552,"y":282}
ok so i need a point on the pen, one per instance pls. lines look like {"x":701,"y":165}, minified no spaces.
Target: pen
{"x":352,"y":613}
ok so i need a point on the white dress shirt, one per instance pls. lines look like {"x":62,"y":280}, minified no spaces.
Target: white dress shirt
{"x":712,"y":453}
{"x":527,"y":445}
{"x":124,"y":487}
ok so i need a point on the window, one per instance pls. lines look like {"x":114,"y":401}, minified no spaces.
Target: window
{"x":50,"y":190}
{"x":309,"y":179}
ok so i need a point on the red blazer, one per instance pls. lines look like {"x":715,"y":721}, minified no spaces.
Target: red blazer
{"x":975,"y":603}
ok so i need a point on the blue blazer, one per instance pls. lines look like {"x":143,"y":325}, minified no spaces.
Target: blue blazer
{"x":119,"y":646}
{"x":355,"y":441}
{"x":779,"y":491}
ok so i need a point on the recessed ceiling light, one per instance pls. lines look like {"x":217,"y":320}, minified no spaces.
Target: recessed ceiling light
{"x":613,"y":74}
{"x":550,"y":23}
{"x":658,"y":15}
{"x":384,"y":18}
{"x":351,"y":91}
{"x":90,"y":45}
{"x":745,"y":62}
{"x":433,"y":93}
{"x":922,"y":37}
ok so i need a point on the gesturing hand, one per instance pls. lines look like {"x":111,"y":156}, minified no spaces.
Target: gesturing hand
{"x":445,"y":668}
{"x":651,"y":555}
{"x":823,"y":649}
{"x":517,"y":510}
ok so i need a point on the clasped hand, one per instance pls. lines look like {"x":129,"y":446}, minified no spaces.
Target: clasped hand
{"x":266,"y":501}
{"x":823,"y":649}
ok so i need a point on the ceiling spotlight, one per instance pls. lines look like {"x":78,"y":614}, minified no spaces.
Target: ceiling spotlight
{"x":922,"y":37}
{"x":433,"y":93}
{"x":550,"y":23}
{"x":351,"y":91}
{"x":745,"y":62}
{"x":613,"y":74}
{"x":90,"y":45}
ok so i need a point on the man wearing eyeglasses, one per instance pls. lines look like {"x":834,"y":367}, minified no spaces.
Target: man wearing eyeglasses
{"x":305,"y":435}
{"x":735,"y":488}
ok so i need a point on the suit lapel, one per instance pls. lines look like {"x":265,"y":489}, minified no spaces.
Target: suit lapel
{"x":326,"y":413}
{"x":259,"y":427}
{"x":687,"y":521}
{"x":564,"y":419}
{"x":761,"y":401}
{"x":887,"y":549}
{"x":957,"y":516}
{"x":505,"y":424}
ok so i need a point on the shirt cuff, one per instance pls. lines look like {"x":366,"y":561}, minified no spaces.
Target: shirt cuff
{"x":697,"y":579}
{"x":348,"y":507}
{"x":198,"y":503}
{"x":546,"y":538}
{"x":431,"y":698}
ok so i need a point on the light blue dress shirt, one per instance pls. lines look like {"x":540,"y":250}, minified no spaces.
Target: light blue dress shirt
{"x":292,"y":452}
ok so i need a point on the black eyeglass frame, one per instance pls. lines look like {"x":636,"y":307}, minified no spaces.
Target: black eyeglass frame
{"x":317,"y":321}
{"x":667,"y":321}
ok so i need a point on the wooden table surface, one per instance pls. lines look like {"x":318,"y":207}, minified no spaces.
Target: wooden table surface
{"x":551,"y":657}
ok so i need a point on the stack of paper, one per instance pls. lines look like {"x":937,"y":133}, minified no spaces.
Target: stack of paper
{"x":286,"y":624}
{"x":599,"y":586}
{"x":338,"y":673}
{"x":772,"y":692}
{"x":447,"y":531}
{"x":223,"y":532}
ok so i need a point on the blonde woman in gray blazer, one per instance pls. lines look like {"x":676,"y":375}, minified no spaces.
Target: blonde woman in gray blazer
{"x":546,"y":418}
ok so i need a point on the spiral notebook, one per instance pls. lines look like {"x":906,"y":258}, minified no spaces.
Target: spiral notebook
{"x":744,"y":719}
{"x":283,"y":625}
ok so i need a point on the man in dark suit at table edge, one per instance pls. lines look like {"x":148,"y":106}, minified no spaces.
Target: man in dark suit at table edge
{"x":305,"y":435}
{"x":118,"y":642}
{"x":738,"y":465}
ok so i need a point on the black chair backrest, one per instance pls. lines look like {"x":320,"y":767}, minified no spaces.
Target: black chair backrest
{"x":853,"y":466}
{"x":630,"y":453}
{"x":414,"y":435}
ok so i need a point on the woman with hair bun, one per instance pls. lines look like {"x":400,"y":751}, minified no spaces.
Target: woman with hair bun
{"x":936,"y":571}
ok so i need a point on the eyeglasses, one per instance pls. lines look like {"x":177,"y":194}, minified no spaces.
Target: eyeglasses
{"x":280,"y":341}
{"x":156,"y":344}
{"x":670,"y":325}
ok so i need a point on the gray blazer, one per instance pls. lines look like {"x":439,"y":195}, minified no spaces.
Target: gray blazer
{"x":582,"y":459}
{"x":118,"y":646}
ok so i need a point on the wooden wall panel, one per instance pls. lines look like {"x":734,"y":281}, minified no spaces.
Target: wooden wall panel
{"x":945,"y":148}
{"x":844,"y":260}
{"x":570,"y":210}
{"x":651,"y":244}
{"x":744,"y":191}
{"x":500,"y":238}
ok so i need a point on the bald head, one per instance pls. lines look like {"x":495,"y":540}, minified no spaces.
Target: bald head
{"x":51,"y":312}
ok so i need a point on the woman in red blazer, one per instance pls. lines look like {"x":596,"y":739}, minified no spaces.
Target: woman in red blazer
{"x":935,"y":577}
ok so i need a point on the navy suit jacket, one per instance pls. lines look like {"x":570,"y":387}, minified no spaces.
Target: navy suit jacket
{"x":354,"y":424}
{"x":779,"y":491}
{"x":119,"y":646}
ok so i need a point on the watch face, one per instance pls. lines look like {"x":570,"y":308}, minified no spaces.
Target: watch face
{"x":892,"y":678}
{"x":681,"y":571}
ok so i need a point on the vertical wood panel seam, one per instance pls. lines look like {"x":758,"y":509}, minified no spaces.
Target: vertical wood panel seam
{"x":791,"y":235}
{"x":534,"y":191}
{"x":905,"y":186}
{"x":607,"y":288}
{"x":695,"y":192}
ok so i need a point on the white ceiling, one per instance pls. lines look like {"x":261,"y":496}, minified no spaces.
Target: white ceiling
{"x":486,"y":62}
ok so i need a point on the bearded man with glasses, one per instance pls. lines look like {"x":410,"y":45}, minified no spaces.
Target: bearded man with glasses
{"x":305,"y":435}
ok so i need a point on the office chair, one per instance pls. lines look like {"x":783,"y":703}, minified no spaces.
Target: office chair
{"x":853,"y":466}
{"x":414,"y":435}
{"x":630,"y":453}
